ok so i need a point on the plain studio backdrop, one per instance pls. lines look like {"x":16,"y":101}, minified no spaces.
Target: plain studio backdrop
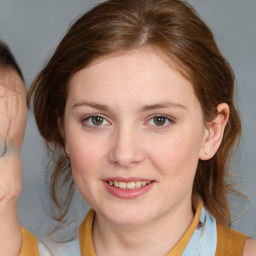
{"x":33,"y":28}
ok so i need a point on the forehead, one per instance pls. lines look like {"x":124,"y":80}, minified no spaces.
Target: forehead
{"x":144,"y":74}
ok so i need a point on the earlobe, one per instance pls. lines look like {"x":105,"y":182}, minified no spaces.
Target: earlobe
{"x":214,"y":133}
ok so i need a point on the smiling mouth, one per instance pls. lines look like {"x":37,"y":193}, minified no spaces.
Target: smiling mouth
{"x":128,"y":185}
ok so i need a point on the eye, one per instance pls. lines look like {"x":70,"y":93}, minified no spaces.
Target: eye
{"x":95,"y":120}
{"x":160,"y":121}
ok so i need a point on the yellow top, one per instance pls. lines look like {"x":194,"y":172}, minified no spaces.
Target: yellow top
{"x":229,"y":241}
{"x":29,"y":244}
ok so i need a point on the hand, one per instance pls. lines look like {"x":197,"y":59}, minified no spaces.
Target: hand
{"x":12,"y":127}
{"x":12,"y":115}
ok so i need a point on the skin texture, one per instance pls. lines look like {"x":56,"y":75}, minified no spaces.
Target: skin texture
{"x":13,"y":120}
{"x":249,"y":247}
{"x":128,"y":90}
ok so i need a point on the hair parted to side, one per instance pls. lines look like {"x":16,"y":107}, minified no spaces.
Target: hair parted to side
{"x":173,"y":27}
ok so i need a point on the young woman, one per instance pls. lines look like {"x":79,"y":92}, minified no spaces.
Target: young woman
{"x":136,"y":106}
{"x":12,"y":127}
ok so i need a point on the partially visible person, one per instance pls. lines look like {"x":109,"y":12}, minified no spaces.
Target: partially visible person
{"x":12,"y":127}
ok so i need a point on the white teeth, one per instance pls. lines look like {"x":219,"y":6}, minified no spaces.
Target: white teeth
{"x":128,"y":185}
{"x":138,"y":184}
{"x":122,"y":185}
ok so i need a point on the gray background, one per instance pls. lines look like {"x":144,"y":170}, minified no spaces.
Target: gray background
{"x":33,"y":28}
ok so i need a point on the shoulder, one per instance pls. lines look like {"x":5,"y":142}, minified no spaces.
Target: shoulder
{"x":229,"y":241}
{"x":29,"y":244}
{"x":249,"y":247}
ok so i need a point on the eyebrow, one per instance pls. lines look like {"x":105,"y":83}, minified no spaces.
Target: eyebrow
{"x":91,"y":104}
{"x":167,"y":104}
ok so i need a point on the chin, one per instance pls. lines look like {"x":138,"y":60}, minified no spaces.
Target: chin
{"x":128,"y":217}
{"x":129,"y":221}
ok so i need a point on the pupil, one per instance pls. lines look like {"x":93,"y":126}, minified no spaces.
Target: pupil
{"x":97,"y":120}
{"x":159,"y":120}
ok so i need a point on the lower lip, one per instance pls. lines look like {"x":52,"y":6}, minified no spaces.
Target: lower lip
{"x":128,"y":193}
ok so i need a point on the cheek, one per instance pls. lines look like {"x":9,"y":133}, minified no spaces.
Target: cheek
{"x":84,"y":155}
{"x":87,"y":151}
{"x":176,"y":164}
{"x":177,"y":157}
{"x":86,"y":159}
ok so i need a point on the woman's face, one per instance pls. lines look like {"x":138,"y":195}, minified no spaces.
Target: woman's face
{"x":134,"y":130}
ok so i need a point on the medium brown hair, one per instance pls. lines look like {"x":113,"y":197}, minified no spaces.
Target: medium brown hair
{"x":172,"y":26}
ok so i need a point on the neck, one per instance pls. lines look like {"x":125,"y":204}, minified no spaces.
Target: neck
{"x":157,"y":237}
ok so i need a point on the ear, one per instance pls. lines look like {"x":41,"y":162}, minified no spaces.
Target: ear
{"x":214,"y":131}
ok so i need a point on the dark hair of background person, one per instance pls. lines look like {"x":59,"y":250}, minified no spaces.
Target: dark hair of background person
{"x":7,"y":60}
{"x":171,"y":26}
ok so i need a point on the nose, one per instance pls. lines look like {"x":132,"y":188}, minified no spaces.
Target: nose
{"x":126,"y":148}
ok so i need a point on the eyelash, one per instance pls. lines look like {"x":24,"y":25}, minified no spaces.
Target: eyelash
{"x":86,"y":119}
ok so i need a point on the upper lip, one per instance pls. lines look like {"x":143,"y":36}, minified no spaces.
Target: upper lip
{"x":128,"y":179}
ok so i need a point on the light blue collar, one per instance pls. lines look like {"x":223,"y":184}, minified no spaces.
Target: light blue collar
{"x":204,"y":240}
